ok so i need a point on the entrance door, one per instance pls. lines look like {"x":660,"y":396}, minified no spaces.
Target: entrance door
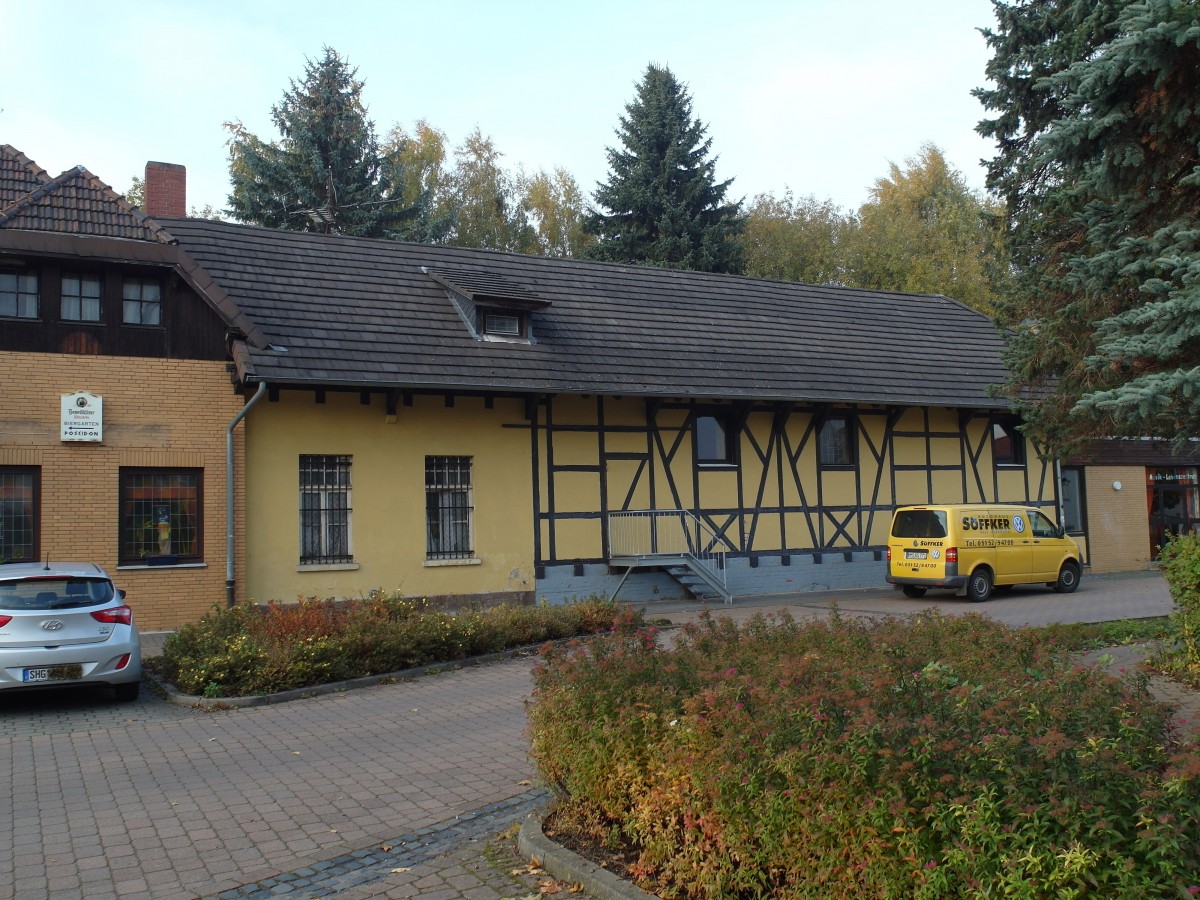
{"x":1174,"y":498}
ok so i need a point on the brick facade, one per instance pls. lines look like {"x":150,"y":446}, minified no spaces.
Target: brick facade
{"x":157,"y":413}
{"x":1117,"y":527}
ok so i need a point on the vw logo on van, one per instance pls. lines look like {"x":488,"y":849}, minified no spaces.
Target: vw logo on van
{"x":1018,"y":525}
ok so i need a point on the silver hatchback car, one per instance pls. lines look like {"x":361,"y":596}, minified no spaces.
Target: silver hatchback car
{"x":66,"y":625}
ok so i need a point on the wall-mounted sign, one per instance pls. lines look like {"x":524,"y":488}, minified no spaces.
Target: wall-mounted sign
{"x":82,"y":417}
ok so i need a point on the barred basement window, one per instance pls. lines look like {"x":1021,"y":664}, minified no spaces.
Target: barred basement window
{"x":448,"y":508}
{"x":325,"y":510}
{"x":19,"y":506}
{"x":161,"y":516}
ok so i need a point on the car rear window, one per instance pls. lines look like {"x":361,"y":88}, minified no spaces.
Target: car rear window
{"x":919,"y":523}
{"x":55,"y":593}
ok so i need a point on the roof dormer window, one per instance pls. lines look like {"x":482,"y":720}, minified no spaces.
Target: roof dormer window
{"x":493,"y":307}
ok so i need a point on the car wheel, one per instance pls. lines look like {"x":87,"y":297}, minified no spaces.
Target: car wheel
{"x":911,"y":590}
{"x":127,"y":693}
{"x":1068,"y":578}
{"x":979,"y":587}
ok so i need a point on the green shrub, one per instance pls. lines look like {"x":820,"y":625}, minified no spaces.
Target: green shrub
{"x":248,"y":649}
{"x":925,"y":757}
{"x":1180,"y":559}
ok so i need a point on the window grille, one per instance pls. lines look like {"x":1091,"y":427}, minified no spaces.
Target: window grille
{"x":81,"y":298}
{"x":835,"y":443}
{"x":142,"y":301}
{"x":18,"y":514}
{"x":448,"y":508}
{"x":19,"y":295}
{"x":325,"y":509}
{"x":160,"y":515}
{"x":502,"y":323}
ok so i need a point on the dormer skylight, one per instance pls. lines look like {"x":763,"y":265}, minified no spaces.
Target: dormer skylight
{"x":493,"y":307}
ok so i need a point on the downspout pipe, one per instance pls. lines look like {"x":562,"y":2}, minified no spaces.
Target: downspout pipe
{"x":229,"y":581}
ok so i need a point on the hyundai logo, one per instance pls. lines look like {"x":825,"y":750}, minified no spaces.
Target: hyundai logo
{"x":52,"y":625}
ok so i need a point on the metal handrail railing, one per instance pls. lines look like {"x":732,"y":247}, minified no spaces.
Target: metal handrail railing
{"x":666,"y":532}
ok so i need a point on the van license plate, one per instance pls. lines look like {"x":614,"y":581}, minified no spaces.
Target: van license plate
{"x":54,"y":673}
{"x":916,"y":554}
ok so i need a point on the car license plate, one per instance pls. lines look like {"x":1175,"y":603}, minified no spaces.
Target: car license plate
{"x":54,"y":673}
{"x":916,"y":554}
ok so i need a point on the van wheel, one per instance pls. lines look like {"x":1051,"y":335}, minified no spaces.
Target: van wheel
{"x":1068,"y":578}
{"x":911,"y":590}
{"x":979,"y":587}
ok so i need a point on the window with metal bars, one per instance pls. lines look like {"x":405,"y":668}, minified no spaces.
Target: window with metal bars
{"x":325,"y":510}
{"x":19,"y":502}
{"x":161,"y":516}
{"x":448,"y":507}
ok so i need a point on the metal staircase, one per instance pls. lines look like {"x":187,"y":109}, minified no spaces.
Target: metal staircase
{"x":674,"y":541}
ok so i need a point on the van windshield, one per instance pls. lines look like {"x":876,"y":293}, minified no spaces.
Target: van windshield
{"x":919,"y":523}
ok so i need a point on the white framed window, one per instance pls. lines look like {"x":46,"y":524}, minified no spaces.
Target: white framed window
{"x":448,"y":508}
{"x":325,"y":510}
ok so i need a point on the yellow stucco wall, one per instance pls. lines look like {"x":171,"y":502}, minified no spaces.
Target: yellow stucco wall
{"x":1118,"y":533}
{"x":388,"y":494}
{"x":157,"y":413}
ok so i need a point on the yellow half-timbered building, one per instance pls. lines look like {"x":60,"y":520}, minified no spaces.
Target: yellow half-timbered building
{"x":450,"y":422}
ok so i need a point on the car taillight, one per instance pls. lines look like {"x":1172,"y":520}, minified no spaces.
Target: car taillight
{"x":118,"y":615}
{"x":889,"y":556}
{"x":952,"y":554}
{"x":4,"y":620}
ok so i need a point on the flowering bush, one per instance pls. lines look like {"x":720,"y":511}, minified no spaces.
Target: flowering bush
{"x":248,"y":649}
{"x":925,"y":757}
{"x":1180,"y":558}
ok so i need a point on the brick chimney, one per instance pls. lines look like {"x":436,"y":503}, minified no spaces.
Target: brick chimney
{"x":166,"y":190}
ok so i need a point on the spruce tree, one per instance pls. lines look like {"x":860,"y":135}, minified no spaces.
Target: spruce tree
{"x":1098,"y":126}
{"x":327,"y":173}
{"x":664,"y":204}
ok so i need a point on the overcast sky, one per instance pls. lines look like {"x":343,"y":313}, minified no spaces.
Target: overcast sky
{"x":813,"y":95}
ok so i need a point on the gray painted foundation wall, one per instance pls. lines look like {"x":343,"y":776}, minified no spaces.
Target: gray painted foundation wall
{"x":770,"y":576}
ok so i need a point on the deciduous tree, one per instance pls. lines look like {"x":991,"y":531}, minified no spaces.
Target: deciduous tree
{"x":664,"y":206}
{"x":802,"y":239}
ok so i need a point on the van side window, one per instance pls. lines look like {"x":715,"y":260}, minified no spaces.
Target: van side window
{"x":1042,"y":527}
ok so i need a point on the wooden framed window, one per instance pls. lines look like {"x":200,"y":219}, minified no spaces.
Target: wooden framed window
{"x":161,"y":516}
{"x":80,"y":298}
{"x":141,"y":301}
{"x":325,"y":510}
{"x":1008,"y":444}
{"x":18,"y":294}
{"x":714,"y":439}
{"x":20,"y":513}
{"x":836,"y":441}
{"x":448,"y":508}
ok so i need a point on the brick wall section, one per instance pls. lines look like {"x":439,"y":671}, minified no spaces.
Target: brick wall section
{"x":157,"y":412}
{"x":166,"y":190}
{"x":1118,"y":528}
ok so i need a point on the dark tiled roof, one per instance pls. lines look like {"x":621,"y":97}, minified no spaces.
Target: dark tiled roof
{"x":76,"y":202}
{"x":18,"y":175}
{"x":363,"y":313}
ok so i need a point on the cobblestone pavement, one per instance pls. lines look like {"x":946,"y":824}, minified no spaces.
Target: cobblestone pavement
{"x":393,"y":791}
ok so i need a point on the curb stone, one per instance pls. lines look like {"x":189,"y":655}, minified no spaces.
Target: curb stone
{"x":566,"y":865}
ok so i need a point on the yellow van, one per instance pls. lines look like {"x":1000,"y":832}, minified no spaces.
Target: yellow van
{"x":973,"y":549}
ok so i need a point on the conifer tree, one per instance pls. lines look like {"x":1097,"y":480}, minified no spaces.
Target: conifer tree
{"x":664,"y":204}
{"x":327,"y":172}
{"x":1097,"y":120}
